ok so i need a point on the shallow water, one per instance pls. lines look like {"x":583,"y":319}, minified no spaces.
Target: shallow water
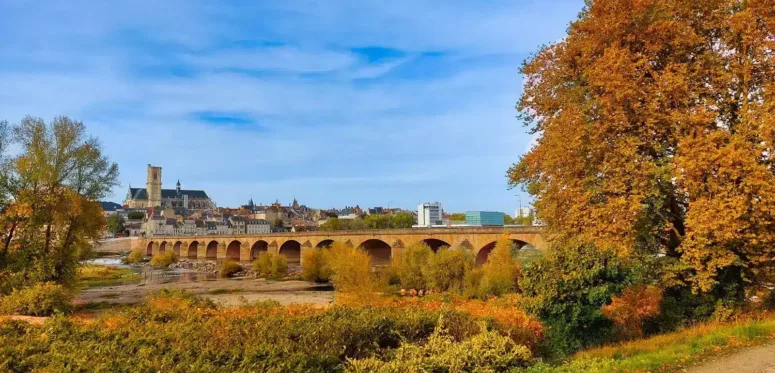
{"x":150,"y":275}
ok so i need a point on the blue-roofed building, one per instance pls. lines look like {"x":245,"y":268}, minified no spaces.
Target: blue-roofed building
{"x":484,"y":218}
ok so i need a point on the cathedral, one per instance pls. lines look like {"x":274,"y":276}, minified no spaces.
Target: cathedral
{"x":153,"y":195}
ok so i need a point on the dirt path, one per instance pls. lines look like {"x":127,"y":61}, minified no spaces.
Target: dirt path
{"x":228,"y":292}
{"x":752,"y":360}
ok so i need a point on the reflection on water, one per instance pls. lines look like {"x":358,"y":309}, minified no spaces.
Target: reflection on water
{"x":150,"y":275}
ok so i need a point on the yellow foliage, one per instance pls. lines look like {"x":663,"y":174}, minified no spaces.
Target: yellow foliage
{"x":351,"y":271}
{"x":501,"y":271}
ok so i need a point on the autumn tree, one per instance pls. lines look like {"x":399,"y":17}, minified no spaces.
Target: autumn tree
{"x":52,"y":215}
{"x":657,"y":125}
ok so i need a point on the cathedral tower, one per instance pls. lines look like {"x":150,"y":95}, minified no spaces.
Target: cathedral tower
{"x":153,"y":186}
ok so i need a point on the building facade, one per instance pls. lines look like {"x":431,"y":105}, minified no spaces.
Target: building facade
{"x":484,"y":218}
{"x":429,"y":214}
{"x":153,"y":196}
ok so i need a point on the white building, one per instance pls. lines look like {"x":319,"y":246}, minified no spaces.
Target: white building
{"x":429,"y":214}
{"x":523,"y":212}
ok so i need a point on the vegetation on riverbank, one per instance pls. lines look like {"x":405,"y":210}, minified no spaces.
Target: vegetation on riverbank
{"x":669,"y":352}
{"x":91,"y":276}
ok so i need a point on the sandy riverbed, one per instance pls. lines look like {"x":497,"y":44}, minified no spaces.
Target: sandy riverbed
{"x":228,"y":292}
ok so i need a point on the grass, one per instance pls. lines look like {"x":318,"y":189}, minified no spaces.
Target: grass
{"x":91,"y":276}
{"x":669,"y":352}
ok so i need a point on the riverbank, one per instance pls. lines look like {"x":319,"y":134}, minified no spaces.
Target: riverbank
{"x":226,"y":292}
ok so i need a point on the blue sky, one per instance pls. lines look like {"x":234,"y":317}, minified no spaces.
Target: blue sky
{"x":332,"y":102}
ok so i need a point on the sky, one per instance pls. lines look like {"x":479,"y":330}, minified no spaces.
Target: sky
{"x":334,"y":103}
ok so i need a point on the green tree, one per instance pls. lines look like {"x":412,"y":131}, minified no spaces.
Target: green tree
{"x":277,"y":222}
{"x":52,"y":216}
{"x":115,"y":224}
{"x":134,"y":215}
{"x":379,"y":221}
{"x":458,"y":216}
{"x":567,"y":288}
{"x":507,"y":219}
{"x":403,"y":220}
{"x":332,"y":224}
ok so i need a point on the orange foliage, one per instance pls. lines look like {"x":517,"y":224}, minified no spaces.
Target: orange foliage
{"x":636,"y":304}
{"x":650,"y":138}
{"x":506,"y":312}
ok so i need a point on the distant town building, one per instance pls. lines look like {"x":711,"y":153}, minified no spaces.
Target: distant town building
{"x":429,"y":214}
{"x":484,"y":218}
{"x":153,"y":196}
{"x":523,"y":212}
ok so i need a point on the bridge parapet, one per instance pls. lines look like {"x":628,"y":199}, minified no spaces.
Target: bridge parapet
{"x":292,"y":245}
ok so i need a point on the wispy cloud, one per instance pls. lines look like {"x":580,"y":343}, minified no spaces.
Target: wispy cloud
{"x":334,"y":103}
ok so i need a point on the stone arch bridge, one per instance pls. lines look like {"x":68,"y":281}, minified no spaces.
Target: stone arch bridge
{"x":382,"y":245}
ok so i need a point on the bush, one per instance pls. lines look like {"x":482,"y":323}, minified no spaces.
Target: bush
{"x":567,"y":289}
{"x":175,"y":329}
{"x":315,"y":265}
{"x":228,"y":268}
{"x":472,"y":282}
{"x":629,"y":310}
{"x":484,"y":352}
{"x":351,"y":270}
{"x":271,"y":265}
{"x":501,"y":271}
{"x":41,"y":299}
{"x":410,"y":264}
{"x":164,"y":259}
{"x":447,"y":269}
{"x":135,"y":257}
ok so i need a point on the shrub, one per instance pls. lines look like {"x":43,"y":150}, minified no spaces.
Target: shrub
{"x":472,"y":282}
{"x":501,"y":271}
{"x":134,"y":257}
{"x":351,"y":270}
{"x":271,"y":265}
{"x":42,"y":299}
{"x":164,"y":259}
{"x":410,"y":264}
{"x":484,"y":352}
{"x":567,"y":289}
{"x":447,"y":269}
{"x":315,"y":265}
{"x":175,"y":329}
{"x":228,"y":268}
{"x":629,"y":310}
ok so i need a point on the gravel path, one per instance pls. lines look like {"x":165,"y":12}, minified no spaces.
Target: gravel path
{"x":752,"y":360}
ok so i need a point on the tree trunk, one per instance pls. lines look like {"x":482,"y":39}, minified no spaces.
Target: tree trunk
{"x":4,"y":253}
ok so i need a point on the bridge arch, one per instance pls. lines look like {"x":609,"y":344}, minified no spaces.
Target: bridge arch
{"x":149,"y":248}
{"x":325,"y":244}
{"x":212,"y":250}
{"x":291,"y":249}
{"x":379,"y":251}
{"x":484,"y":253}
{"x":163,"y":246}
{"x":258,"y":247}
{"x":233,"y":250}
{"x":435,"y":244}
{"x":176,"y":247}
{"x":193,"y":250}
